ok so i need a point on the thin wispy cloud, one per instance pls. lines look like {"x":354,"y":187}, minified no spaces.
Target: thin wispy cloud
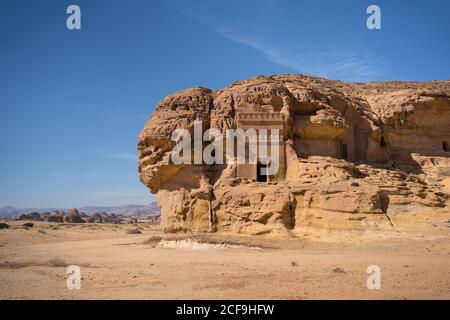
{"x":339,"y":60}
{"x":330,"y":61}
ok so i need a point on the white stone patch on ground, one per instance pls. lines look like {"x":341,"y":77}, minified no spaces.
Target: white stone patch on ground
{"x":189,"y":244}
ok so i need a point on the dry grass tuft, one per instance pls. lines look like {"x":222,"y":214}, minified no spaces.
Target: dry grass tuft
{"x":53,"y":263}
{"x":338,"y":270}
{"x":18,"y":265}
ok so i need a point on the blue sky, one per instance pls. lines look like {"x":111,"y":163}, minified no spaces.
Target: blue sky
{"x":72,"y":103}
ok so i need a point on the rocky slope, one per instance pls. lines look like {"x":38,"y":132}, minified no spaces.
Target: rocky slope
{"x":354,"y":157}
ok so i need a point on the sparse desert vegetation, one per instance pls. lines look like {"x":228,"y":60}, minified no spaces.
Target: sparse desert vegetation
{"x":57,"y":262}
{"x":4,"y":225}
{"x":116,"y":264}
{"x":134,"y":231}
{"x":338,"y":270}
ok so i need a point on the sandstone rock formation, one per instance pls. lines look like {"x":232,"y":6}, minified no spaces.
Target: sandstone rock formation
{"x":95,"y":218}
{"x":56,"y":216}
{"x":353,"y":156}
{"x":30,"y":216}
{"x":73,"y":216}
{"x":106,"y":217}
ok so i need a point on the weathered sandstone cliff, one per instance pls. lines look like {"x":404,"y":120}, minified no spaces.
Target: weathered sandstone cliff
{"x":353,"y":156}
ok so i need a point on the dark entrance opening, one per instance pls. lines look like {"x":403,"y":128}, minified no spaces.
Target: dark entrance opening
{"x":260,"y":175}
{"x":344,"y":151}
{"x":445,"y":146}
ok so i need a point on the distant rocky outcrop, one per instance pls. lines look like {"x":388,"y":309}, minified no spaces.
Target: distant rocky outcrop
{"x":56,"y":216}
{"x":108,"y":217}
{"x":30,"y":216}
{"x":45,"y":215}
{"x":353,"y":156}
{"x":130,"y":214}
{"x":95,"y":218}
{"x":73,"y":216}
{"x":129,"y":210}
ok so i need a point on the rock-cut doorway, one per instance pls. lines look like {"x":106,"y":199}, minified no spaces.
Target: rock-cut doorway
{"x":261,"y":172}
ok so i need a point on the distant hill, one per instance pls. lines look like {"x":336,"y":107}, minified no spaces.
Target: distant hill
{"x":152,"y":208}
{"x":135,"y":210}
{"x":7,"y":212}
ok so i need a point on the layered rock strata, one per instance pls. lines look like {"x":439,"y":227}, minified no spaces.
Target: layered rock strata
{"x":353,"y":156}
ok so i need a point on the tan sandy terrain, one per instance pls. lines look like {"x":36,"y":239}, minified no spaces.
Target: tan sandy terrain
{"x":117,"y":265}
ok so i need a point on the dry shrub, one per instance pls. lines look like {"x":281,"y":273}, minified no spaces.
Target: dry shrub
{"x":338,"y":270}
{"x":4,"y":225}
{"x":134,"y":231}
{"x":57,"y":262}
{"x":153,"y":240}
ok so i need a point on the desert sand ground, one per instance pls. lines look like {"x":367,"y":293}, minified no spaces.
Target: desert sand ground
{"x":118,"y":265}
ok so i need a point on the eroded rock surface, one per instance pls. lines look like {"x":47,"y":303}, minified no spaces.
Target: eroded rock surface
{"x":354,"y":156}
